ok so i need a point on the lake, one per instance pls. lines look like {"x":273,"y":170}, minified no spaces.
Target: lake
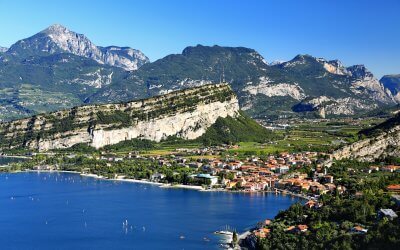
{"x":68,"y":211}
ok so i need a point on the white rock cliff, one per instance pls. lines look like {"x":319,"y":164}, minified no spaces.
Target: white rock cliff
{"x":186,"y":114}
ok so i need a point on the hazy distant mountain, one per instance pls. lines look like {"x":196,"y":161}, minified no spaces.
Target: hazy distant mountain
{"x":3,"y":49}
{"x":392,"y":83}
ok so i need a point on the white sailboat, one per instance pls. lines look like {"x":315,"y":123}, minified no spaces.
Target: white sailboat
{"x":226,"y":231}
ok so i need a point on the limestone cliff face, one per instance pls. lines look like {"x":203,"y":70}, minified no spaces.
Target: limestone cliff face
{"x":370,"y":149}
{"x":186,"y":114}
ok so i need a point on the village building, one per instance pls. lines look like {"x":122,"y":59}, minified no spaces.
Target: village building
{"x":359,"y":230}
{"x":206,"y":178}
{"x":394,"y":188}
{"x":387,"y":213}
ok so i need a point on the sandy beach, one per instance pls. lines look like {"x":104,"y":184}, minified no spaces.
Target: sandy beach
{"x":182,"y":186}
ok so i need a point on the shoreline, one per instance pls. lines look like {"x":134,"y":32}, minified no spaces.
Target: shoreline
{"x":144,"y":181}
{"x":199,"y":188}
{"x":171,"y":186}
{"x":241,"y":237}
{"x":95,"y":176}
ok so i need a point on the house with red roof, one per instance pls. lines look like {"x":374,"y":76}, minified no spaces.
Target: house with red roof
{"x":393,"y":188}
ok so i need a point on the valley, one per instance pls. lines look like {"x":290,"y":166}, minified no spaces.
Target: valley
{"x":212,"y":119}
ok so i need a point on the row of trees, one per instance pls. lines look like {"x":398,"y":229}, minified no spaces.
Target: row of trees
{"x":133,"y":168}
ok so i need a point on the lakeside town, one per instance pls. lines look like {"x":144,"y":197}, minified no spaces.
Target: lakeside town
{"x":302,"y":173}
{"x":272,"y":173}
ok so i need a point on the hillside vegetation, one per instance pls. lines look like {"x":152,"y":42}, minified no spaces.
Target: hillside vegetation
{"x":382,"y":127}
{"x":232,"y":130}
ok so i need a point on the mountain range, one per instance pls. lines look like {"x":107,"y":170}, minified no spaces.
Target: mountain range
{"x":58,"y":68}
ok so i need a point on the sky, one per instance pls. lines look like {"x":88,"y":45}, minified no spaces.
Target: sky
{"x":353,"y":31}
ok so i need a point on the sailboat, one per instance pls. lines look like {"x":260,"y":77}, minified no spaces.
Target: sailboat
{"x":226,"y":231}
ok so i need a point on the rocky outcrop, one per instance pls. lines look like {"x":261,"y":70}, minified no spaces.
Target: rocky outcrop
{"x":334,"y":67}
{"x":328,"y":106}
{"x":123,"y":57}
{"x":268,"y":88}
{"x":186,"y":114}
{"x":364,"y":83}
{"x":379,"y":141}
{"x":370,"y":149}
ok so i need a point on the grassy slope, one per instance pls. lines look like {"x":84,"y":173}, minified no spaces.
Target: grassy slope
{"x":225,"y":130}
{"x":232,"y":130}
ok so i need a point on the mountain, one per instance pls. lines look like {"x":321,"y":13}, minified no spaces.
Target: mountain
{"x":194,"y":67}
{"x":185,"y":114}
{"x":304,"y":84}
{"x":3,"y":49}
{"x":333,"y":89}
{"x":379,"y":142}
{"x":57,"y":69}
{"x":58,"y":39}
{"x":392,"y":83}
{"x":50,"y":83}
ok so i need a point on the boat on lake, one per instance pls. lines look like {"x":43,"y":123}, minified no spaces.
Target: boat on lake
{"x":226,"y":231}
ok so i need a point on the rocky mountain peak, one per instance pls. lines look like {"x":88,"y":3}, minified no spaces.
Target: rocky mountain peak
{"x":59,"y":39}
{"x":56,"y":29}
{"x":3,"y":49}
{"x":360,"y":71}
{"x":335,"y":67}
{"x":301,"y":59}
{"x":72,"y":42}
{"x":304,"y":57}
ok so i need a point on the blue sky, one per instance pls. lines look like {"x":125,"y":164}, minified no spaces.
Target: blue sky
{"x":353,"y":31}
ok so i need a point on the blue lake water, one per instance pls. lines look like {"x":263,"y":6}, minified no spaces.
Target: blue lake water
{"x":67,"y":211}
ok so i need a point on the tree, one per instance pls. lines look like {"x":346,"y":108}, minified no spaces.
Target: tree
{"x":234,"y":238}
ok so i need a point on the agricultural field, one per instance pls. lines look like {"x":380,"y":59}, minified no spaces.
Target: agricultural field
{"x":322,"y":135}
{"x":319,"y":135}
